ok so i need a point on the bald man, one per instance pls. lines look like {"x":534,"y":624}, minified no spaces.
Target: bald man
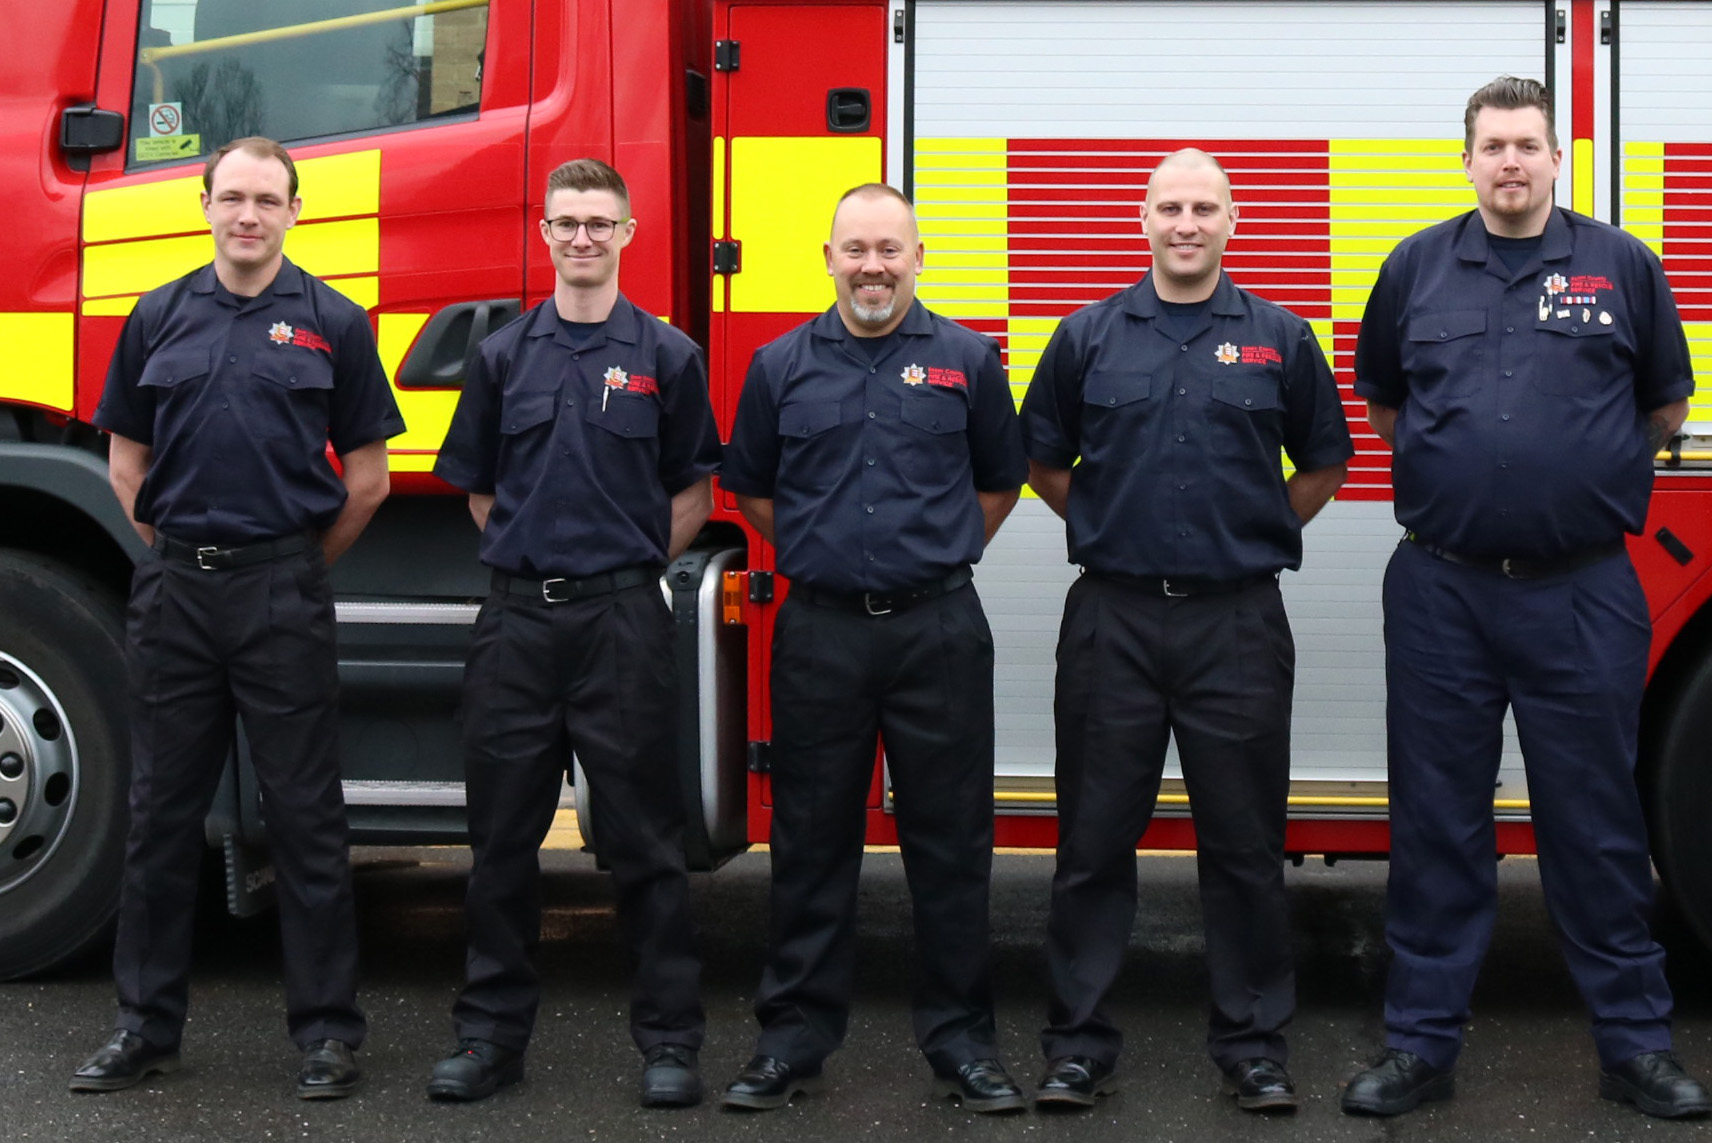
{"x":877,"y":448}
{"x":1153,"y":426}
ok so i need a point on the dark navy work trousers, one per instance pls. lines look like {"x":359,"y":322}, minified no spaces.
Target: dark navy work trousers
{"x":921,"y":679}
{"x":1217,"y":671}
{"x":594,"y":676}
{"x":1568,"y":655}
{"x":205,"y":648}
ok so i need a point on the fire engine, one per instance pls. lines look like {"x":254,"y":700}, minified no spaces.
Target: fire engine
{"x":1023,"y":129}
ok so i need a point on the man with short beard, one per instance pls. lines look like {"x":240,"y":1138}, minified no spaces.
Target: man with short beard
{"x":1526,"y":363}
{"x":877,"y":447}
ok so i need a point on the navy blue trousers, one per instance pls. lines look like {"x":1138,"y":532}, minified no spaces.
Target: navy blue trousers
{"x":1567,"y":654}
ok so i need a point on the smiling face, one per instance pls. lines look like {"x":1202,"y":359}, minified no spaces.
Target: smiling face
{"x":1188,"y":218}
{"x":581,"y":261}
{"x":1513,"y":167}
{"x":873,"y":257}
{"x":249,"y":207}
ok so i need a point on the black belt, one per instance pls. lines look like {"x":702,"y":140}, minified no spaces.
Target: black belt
{"x":881,"y":602}
{"x":562,"y":589}
{"x":1513,"y":567}
{"x":213,"y":557}
{"x":1179,"y":586}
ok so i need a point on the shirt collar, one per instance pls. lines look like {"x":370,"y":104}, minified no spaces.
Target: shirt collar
{"x":1142,"y":299}
{"x":1555,"y":242}
{"x":289,"y":281}
{"x":623,"y":324}
{"x":918,"y":322}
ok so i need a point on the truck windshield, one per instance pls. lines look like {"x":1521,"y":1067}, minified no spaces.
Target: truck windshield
{"x":210,"y":71}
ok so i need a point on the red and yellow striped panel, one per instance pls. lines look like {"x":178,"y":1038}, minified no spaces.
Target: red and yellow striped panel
{"x":1019,"y":232}
{"x":1667,"y":203}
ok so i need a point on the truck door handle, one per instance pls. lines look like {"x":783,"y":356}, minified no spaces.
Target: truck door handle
{"x":848,"y":110}
{"x":442,"y":356}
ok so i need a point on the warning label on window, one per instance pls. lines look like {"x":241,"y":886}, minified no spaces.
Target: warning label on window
{"x":168,"y":147}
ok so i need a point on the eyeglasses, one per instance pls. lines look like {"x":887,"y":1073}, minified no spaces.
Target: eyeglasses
{"x":599,"y":229}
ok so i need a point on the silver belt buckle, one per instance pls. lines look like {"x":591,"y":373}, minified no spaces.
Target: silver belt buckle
{"x":202,"y":555}
{"x":1166,"y":584}
{"x":868,"y":604}
{"x":547,"y":591}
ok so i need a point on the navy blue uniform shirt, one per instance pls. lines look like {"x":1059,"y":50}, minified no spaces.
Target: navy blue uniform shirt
{"x":1179,"y":437}
{"x":581,"y":444}
{"x":1523,"y":395}
{"x":239,"y":397}
{"x":872,"y":464}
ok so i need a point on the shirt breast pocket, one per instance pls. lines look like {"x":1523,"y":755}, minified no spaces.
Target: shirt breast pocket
{"x":1258,"y":394}
{"x":633,"y":418}
{"x":1445,"y":352}
{"x":290,"y":396}
{"x":809,"y":459}
{"x":934,"y":447}
{"x":1116,"y":390}
{"x":526,"y":409}
{"x":174,"y":368}
{"x":804,"y":419}
{"x":1578,"y":359}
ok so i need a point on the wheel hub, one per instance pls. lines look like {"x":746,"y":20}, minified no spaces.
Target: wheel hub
{"x":38,"y":773}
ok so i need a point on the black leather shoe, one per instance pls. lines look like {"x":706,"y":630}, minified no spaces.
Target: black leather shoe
{"x":670,"y":1077}
{"x":768,"y":1082}
{"x":980,"y":1085}
{"x":475,"y":1071}
{"x":329,"y":1071}
{"x":1074,"y":1081}
{"x":1395,"y":1083}
{"x":125,"y":1060}
{"x":1656,"y":1083}
{"x":1262,"y":1085}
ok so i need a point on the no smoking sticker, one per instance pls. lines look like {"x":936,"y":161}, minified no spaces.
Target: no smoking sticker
{"x":166,"y":119}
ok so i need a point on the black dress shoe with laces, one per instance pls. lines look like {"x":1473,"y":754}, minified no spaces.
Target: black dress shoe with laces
{"x":768,"y":1082}
{"x":980,"y":1085}
{"x":1074,"y":1081}
{"x":329,"y":1071}
{"x":1395,"y":1083}
{"x":1656,"y":1083}
{"x":124,"y":1061}
{"x":1261,"y":1085}
{"x":475,"y":1071}
{"x":670,"y":1077}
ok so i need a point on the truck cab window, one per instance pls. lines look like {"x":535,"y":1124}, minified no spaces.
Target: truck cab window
{"x":210,"y":71}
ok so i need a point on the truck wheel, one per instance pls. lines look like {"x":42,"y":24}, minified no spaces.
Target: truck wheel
{"x":64,"y":763}
{"x":1679,"y":796}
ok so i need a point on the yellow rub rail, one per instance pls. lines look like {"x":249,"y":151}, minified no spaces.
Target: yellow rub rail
{"x":1296,"y":801}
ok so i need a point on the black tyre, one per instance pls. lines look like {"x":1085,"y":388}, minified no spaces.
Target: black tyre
{"x":1678,"y":766}
{"x":64,"y":762}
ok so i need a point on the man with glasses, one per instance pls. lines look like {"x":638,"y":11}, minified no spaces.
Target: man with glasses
{"x":586,"y":442}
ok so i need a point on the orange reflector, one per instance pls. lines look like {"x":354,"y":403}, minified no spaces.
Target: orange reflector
{"x":731,"y":592}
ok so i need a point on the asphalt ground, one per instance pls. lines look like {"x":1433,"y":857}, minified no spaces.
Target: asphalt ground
{"x":1528,"y":1071}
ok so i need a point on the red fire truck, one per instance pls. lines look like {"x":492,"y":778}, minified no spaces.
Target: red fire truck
{"x":1022,"y":128}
